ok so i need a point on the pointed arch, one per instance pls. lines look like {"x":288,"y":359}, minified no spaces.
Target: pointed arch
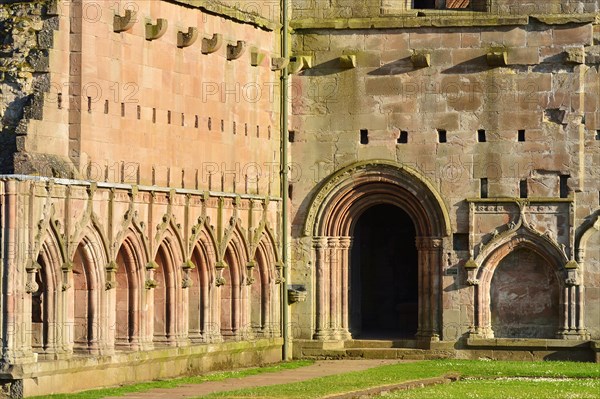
{"x":233,"y":292}
{"x":168,"y":301}
{"x":47,"y":321}
{"x":264,"y":301}
{"x":89,"y":260}
{"x":131,"y":261}
{"x":202,"y":321}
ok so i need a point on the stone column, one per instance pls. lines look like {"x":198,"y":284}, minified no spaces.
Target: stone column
{"x":16,"y":342}
{"x":334,"y":287}
{"x":345,"y":244}
{"x":322,"y":287}
{"x":429,"y":287}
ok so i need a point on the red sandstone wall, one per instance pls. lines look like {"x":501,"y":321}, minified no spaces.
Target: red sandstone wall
{"x":118,"y":90}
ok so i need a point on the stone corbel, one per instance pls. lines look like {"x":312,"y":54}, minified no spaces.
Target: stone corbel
{"x":220,"y":280}
{"x":497,"y":58}
{"x":67,"y":269}
{"x":157,"y":30}
{"x":122,"y":24}
{"x":471,"y":267}
{"x":256,"y":57}
{"x":278,"y":267}
{"x":572,"y":269}
{"x":420,"y":59}
{"x":32,"y":269}
{"x":299,"y":63}
{"x":213,"y":44}
{"x":111,"y":272}
{"x":279,"y":63}
{"x":235,"y":51}
{"x":575,"y":55}
{"x":348,"y":61}
{"x":250,"y":268}
{"x":150,"y":281}
{"x":187,"y":39}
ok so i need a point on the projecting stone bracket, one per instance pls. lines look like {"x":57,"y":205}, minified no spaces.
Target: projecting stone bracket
{"x":156,"y":31}
{"x":497,"y":58}
{"x":279,"y":63}
{"x":348,"y":61}
{"x":256,"y":57}
{"x":212,"y":44}
{"x":420,"y":59}
{"x":236,"y":51}
{"x":122,"y":24}
{"x":299,"y":63}
{"x":187,"y":39}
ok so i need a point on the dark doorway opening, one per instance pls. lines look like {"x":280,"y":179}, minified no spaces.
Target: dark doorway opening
{"x":384,"y":275}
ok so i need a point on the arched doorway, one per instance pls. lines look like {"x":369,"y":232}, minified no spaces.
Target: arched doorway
{"x":331,"y":221}
{"x":384,"y":274}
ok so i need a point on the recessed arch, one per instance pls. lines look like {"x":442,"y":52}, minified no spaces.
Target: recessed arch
{"x":545,"y":261}
{"x":131,"y":261}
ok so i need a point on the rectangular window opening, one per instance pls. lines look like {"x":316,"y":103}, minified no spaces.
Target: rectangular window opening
{"x":483,"y":187}
{"x":424,"y":4}
{"x":153,"y":115}
{"x":89,"y":104}
{"x":403,"y":138}
{"x":169,"y":117}
{"x":290,"y":191}
{"x":598,"y":134}
{"x":521,"y":135}
{"x":59,"y":100}
{"x":460,"y":241}
{"x":222,"y":125}
{"x":196,"y":121}
{"x":291,"y":136}
{"x":257,"y":131}
{"x":364,"y":136}
{"x":122,"y":109}
{"x":564,"y":186}
{"x":139,"y":112}
{"x":523,"y":188}
{"x":106,"y":106}
{"x":441,"y":136}
{"x":182,"y":119}
{"x":481,"y":136}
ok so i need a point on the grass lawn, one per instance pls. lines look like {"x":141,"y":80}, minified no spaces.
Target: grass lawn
{"x":518,"y":388}
{"x":118,"y":391}
{"x":396,"y":373}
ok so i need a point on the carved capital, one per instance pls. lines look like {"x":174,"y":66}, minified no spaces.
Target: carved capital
{"x":186,"y":282}
{"x":220,"y":281}
{"x":150,"y":284}
{"x":31,"y":287}
{"x":345,"y":242}
{"x":109,"y":285}
{"x":320,"y":242}
{"x":429,"y":243}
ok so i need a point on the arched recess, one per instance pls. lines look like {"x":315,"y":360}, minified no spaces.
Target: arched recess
{"x":88,"y":311}
{"x":130,"y":278}
{"x":168,"y":301}
{"x":233,"y":292}
{"x":588,"y":256}
{"x":46,"y":301}
{"x":330,"y":221}
{"x":264,"y":301}
{"x":523,"y":257}
{"x":202,"y":325}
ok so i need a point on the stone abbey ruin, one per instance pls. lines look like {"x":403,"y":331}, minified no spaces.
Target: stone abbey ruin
{"x":189,"y":185}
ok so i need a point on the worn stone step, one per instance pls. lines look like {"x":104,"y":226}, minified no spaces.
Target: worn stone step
{"x":395,"y":353}
{"x":370,"y":343}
